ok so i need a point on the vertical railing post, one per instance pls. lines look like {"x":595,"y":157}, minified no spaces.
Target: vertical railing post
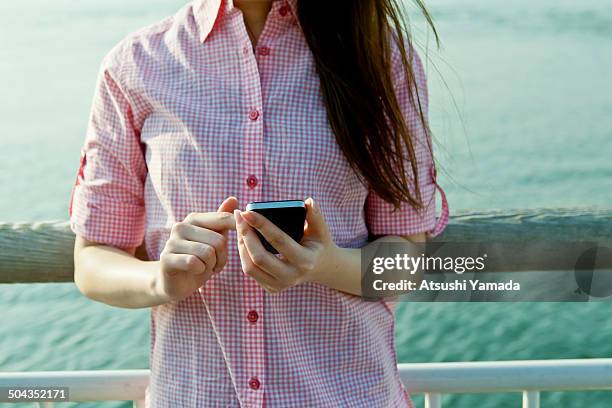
{"x":433,"y":400}
{"x":531,"y":399}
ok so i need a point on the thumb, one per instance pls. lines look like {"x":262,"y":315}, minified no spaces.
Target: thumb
{"x":228,"y":205}
{"x":314,"y":218}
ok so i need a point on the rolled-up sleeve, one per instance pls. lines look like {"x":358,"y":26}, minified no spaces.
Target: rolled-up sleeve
{"x":381,"y":217}
{"x":107,"y":204}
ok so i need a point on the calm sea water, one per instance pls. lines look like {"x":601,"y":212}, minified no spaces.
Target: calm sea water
{"x":526,"y":121}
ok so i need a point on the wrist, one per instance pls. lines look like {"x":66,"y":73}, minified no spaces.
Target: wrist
{"x":331,"y":260}
{"x":155,"y":283}
{"x":341,"y":270}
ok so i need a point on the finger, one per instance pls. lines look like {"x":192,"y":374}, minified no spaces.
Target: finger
{"x":222,"y":254}
{"x":204,"y":252}
{"x":316,"y":225}
{"x":185,"y":263}
{"x":283,"y":243}
{"x":248,"y":266}
{"x":256,"y":251}
{"x":269,"y":283}
{"x":228,"y":205}
{"x":218,"y":222}
{"x":197,"y":234}
{"x":194,"y":233}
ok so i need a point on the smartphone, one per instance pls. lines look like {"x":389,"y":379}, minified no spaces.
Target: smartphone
{"x":288,"y":215}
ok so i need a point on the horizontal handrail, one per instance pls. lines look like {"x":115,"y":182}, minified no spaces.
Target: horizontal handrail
{"x":508,"y":376}
{"x":42,"y":251}
{"x":418,"y":378}
{"x":90,"y":385}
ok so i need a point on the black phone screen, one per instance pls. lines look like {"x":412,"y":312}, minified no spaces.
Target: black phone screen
{"x":290,"y":219}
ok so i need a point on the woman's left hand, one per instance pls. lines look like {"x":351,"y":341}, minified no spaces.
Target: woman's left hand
{"x":298,"y":263}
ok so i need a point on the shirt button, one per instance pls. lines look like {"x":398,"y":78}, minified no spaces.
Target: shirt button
{"x":263,"y":51}
{"x":251,"y":181}
{"x":253,"y":316}
{"x":246,"y":50}
{"x":284,"y":10}
{"x":254,"y":114}
{"x":254,"y":383}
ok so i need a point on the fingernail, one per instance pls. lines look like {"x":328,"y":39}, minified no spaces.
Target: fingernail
{"x":248,"y":215}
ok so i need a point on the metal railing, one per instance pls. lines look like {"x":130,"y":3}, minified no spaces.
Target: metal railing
{"x":431,"y":379}
{"x":529,"y":377}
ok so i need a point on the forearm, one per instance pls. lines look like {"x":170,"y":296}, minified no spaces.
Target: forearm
{"x":112,"y":276}
{"x":343,"y":271}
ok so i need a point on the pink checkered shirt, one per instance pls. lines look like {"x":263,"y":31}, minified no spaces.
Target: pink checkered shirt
{"x":186,"y":114}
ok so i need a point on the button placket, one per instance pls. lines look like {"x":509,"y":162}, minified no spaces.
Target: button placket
{"x":252,"y":374}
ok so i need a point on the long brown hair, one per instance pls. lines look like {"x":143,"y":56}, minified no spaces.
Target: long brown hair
{"x":351,"y":42}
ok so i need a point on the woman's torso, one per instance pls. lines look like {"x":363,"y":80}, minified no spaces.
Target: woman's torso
{"x":217,"y":119}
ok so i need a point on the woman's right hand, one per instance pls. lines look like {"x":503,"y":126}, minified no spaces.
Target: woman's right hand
{"x":196,"y":249}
